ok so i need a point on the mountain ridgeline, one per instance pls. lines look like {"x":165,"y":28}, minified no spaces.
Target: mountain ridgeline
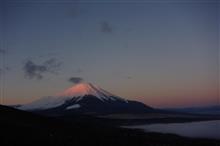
{"x":85,"y":98}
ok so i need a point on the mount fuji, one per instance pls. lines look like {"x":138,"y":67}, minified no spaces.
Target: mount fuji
{"x":85,"y":98}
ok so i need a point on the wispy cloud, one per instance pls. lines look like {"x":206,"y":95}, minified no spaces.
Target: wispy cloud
{"x":75,"y":80}
{"x":37,"y":71}
{"x":106,"y":27}
{"x":129,"y":77}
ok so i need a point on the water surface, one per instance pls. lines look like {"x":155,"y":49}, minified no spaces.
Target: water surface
{"x":205,"y":129}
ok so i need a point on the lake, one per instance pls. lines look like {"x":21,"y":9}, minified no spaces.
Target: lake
{"x":204,"y":129}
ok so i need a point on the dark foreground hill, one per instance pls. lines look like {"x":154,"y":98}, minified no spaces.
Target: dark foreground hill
{"x":23,"y":128}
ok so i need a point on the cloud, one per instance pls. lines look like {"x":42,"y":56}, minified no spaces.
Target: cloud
{"x":106,"y":27}
{"x":74,"y":9}
{"x":2,"y":51}
{"x":129,"y":77}
{"x":33,"y":70}
{"x":75,"y":80}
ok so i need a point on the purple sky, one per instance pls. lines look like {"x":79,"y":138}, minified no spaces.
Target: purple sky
{"x":163,"y":53}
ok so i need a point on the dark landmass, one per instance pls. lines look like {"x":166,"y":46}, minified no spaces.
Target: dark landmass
{"x":92,"y":105}
{"x":24,"y":128}
{"x":206,"y":110}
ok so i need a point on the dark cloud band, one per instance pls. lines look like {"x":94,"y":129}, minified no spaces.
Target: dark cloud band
{"x":75,"y":80}
{"x":33,"y":70}
{"x":106,"y":27}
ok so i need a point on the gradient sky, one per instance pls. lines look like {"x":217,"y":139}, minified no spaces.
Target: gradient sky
{"x":163,"y":53}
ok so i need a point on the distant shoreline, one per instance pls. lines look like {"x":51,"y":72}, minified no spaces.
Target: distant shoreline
{"x":129,"y":122}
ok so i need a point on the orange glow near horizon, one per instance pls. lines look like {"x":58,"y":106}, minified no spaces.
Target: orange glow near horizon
{"x":154,"y":99}
{"x":155,"y":96}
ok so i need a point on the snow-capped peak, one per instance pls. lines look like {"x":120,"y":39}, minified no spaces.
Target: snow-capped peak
{"x":83,"y":89}
{"x":78,"y":91}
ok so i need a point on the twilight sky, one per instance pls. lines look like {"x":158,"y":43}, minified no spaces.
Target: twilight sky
{"x":162,"y":52}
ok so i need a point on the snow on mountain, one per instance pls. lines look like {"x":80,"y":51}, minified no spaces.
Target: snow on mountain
{"x":76,"y":92}
{"x":73,"y":106}
{"x":83,"y":89}
{"x":43,"y":103}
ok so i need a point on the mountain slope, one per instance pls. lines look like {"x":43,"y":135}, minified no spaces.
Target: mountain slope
{"x":88,"y":99}
{"x":90,"y":105}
